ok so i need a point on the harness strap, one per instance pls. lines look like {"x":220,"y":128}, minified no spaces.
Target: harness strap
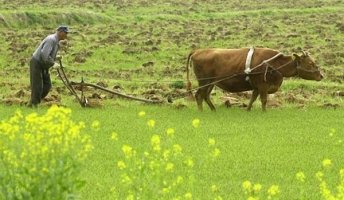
{"x":248,"y":63}
{"x":249,"y":60}
{"x":266,"y":71}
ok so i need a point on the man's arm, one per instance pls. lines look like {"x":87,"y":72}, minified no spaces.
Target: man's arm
{"x":45,"y":52}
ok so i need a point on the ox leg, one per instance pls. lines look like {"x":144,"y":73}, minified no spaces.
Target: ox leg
{"x":263,"y":98}
{"x":253,"y":99}
{"x":199,"y":99}
{"x":207,"y":98}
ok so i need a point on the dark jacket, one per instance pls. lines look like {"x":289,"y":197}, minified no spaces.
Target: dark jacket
{"x":47,"y":50}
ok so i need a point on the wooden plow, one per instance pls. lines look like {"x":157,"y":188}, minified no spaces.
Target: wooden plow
{"x":83,"y":101}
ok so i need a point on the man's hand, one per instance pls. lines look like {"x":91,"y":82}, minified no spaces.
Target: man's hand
{"x":56,"y":66}
{"x":58,"y":57}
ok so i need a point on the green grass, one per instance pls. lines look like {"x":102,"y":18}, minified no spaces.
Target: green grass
{"x":267,"y":148}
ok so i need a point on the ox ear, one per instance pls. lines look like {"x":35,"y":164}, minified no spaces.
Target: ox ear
{"x":297,"y":57}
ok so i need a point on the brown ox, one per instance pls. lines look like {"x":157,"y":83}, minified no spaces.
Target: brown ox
{"x":225,"y":68}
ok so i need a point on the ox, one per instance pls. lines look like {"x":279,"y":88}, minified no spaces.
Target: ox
{"x":235,"y":70}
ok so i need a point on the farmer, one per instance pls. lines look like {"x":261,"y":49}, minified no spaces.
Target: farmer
{"x":42,"y":59}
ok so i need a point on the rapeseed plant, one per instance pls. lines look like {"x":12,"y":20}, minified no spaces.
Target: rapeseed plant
{"x":170,"y":132}
{"x":196,"y":123}
{"x":253,"y":191}
{"x":257,"y":188}
{"x":328,"y":172}
{"x":155,"y":174}
{"x":327,"y":163}
{"x":160,"y":171}
{"x":142,"y":113}
{"x":336,"y":137}
{"x":211,"y":141}
{"x":301,"y":178}
{"x":247,"y":186}
{"x":40,"y":156}
{"x":273,"y":191}
{"x":114,"y":136}
{"x":95,"y":125}
{"x":325,"y":190}
{"x":151,"y":123}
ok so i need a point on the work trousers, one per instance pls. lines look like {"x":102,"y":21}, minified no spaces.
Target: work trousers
{"x":39,"y":80}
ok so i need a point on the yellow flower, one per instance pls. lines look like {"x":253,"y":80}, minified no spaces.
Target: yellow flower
{"x":155,"y":140}
{"x":300,"y":176}
{"x":114,"y":136}
{"x":177,"y":149}
{"x":188,"y":195}
{"x":247,"y":186}
{"x":113,"y":190}
{"x":44,"y":149}
{"x":31,"y":118}
{"x":170,"y":132}
{"x":166,"y":154}
{"x":218,"y":198}
{"x":211,"y":141}
{"x":169,"y":167}
{"x":332,"y":132}
{"x":273,"y":190}
{"x":45,"y":170}
{"x":95,"y":125}
{"x":319,"y":175}
{"x":214,"y":188}
{"x":121,"y":165}
{"x":88,"y":147}
{"x":128,"y":151}
{"x":153,"y":165}
{"x":195,"y":123}
{"x":151,"y":123}
{"x":130,"y":197}
{"x":165,"y":190}
{"x":179,"y":180}
{"x":142,"y":113}
{"x":38,"y":142}
{"x":216,"y":152}
{"x":257,"y":187}
{"x":23,"y":155}
{"x":189,"y":162}
{"x":326,"y":163}
{"x":16,"y":118}
{"x":33,"y":170}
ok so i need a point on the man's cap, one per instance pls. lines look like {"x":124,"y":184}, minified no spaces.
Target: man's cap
{"x":63,"y":28}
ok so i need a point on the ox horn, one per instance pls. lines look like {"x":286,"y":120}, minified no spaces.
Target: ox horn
{"x":304,"y":53}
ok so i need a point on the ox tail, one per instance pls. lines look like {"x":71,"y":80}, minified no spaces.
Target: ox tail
{"x":188,"y":82}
